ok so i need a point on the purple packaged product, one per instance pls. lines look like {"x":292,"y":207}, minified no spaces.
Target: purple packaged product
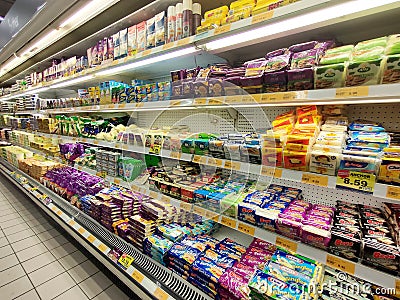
{"x":325,"y":45}
{"x":317,"y":223}
{"x":202,"y":287}
{"x":221,"y":260}
{"x":201,"y":88}
{"x":206,"y":283}
{"x":324,"y":208}
{"x":300,"y":79}
{"x":251,"y":81}
{"x":275,"y":82}
{"x":215,"y":88}
{"x":253,"y":262}
{"x":306,"y":59}
{"x":235,"y":284}
{"x":267,"y":246}
{"x":288,"y":228}
{"x":303,"y":46}
{"x":277,"y":63}
{"x":276,"y":52}
{"x":259,"y":253}
{"x":178,"y":75}
{"x":228,"y":82}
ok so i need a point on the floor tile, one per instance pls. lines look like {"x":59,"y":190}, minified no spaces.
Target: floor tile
{"x":83,"y":271}
{"x":38,"y":221}
{"x":72,"y":260}
{"x":73,"y":294}
{"x":15,"y":229}
{"x":38,"y":262}
{"x":3,"y":241}
{"x":15,"y":237}
{"x":46,"y":235}
{"x":31,"y":295}
{"x":8,"y":261}
{"x":25,"y":243}
{"x":32,"y":216}
{"x":95,"y":285}
{"x":15,"y":288}
{"x":46,"y":273}
{"x":1,"y":233}
{"x":7,"y":211}
{"x":5,"y":251}
{"x":9,"y":217}
{"x":42,"y":227}
{"x":12,"y":223}
{"x":11,"y":274}
{"x":30,"y":252}
{"x":55,"y":287}
{"x":55,"y":242}
{"x":63,"y":250}
{"x":113,"y":292}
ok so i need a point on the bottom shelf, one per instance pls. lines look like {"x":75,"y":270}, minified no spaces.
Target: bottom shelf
{"x":144,"y":276}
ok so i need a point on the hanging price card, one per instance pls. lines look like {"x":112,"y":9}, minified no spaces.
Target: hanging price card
{"x":160,"y":294}
{"x":309,"y":178}
{"x":125,"y":261}
{"x":137,"y":276}
{"x":286,"y":244}
{"x":356,"y":181}
{"x":359,"y":91}
{"x":393,"y":192}
{"x":228,"y":222}
{"x":222,"y":29}
{"x":262,"y":17}
{"x":340,"y":264}
{"x":247,"y":229}
{"x":271,"y":172}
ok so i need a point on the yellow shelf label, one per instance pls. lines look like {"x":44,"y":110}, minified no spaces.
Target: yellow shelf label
{"x":234,"y":165}
{"x":59,"y":212}
{"x":247,"y":229}
{"x":102,"y":247}
{"x":320,"y":180}
{"x":286,"y":96}
{"x":165,"y":199}
{"x":168,"y":46}
{"x":186,"y":206}
{"x":356,"y":181}
{"x":340,"y":264}
{"x":182,"y":42}
{"x":198,"y":210}
{"x":141,"y":104}
{"x":397,"y":288}
{"x":81,"y":230}
{"x":153,"y":194}
{"x":125,"y":260}
{"x":176,"y":155}
{"x":117,"y":181}
{"x":91,"y":238}
{"x":121,"y":105}
{"x":226,"y":221}
{"x":71,"y":222}
{"x":271,"y":172}
{"x":175,"y":103}
{"x":247,"y":99}
{"x":222,"y":29}
{"x":286,"y":244}
{"x":137,"y":276}
{"x":125,"y":147}
{"x":110,"y":106}
{"x":54,"y":208}
{"x":146,"y":52}
{"x":262,"y":17}
{"x":216,"y":162}
{"x":273,"y":97}
{"x":214,"y":101}
{"x":359,"y":91}
{"x":393,"y":192}
{"x":200,"y":101}
{"x":160,"y":294}
{"x":196,"y":158}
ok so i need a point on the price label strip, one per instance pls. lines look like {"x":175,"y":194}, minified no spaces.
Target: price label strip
{"x":359,"y":181}
{"x":320,"y":180}
{"x":228,"y":222}
{"x":125,"y":261}
{"x":340,"y":264}
{"x":247,"y":229}
{"x":393,"y":192}
{"x":286,"y":244}
{"x":360,"y":91}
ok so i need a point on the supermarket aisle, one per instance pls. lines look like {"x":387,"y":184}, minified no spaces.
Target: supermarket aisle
{"x":37,"y":259}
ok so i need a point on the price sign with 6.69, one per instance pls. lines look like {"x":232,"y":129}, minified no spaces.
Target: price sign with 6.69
{"x":364,"y":182}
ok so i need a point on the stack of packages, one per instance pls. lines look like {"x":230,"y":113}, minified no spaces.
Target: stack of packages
{"x":110,"y":210}
{"x":209,"y":266}
{"x":157,"y":211}
{"x":232,"y":80}
{"x":156,"y":246}
{"x":233,"y":284}
{"x":391,"y":70}
{"x":363,"y":150}
{"x":326,"y":153}
{"x":389,"y":169}
{"x":286,"y":276}
{"x":139,"y":229}
{"x":87,"y":204}
{"x":275,"y":74}
{"x":252,"y":81}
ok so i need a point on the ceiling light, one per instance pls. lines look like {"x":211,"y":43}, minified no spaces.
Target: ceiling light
{"x":321,"y":15}
{"x":148,"y":61}
{"x":71,"y":82}
{"x":1,"y":18}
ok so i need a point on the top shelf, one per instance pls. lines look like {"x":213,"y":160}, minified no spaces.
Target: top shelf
{"x":301,"y":17}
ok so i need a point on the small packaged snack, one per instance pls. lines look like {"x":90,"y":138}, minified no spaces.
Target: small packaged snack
{"x":150,"y":33}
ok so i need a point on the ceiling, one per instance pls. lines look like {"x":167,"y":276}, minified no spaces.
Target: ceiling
{"x":5,"y":6}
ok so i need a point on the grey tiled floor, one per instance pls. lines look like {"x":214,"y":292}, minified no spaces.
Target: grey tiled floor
{"x":39,"y":261}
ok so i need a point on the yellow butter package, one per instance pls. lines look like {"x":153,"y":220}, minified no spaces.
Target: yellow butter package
{"x":237,"y":5}
{"x":296,"y":160}
{"x":297,"y":147}
{"x":219,"y":11}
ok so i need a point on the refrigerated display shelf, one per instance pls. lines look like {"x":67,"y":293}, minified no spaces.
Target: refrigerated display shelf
{"x":156,"y":281}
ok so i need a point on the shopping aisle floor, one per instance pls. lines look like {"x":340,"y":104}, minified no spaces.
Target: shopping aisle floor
{"x":39,"y":260}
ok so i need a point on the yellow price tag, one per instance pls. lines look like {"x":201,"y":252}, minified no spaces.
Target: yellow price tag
{"x":320,"y":180}
{"x":121,"y":105}
{"x":153,"y":194}
{"x":110,"y":106}
{"x":117,"y":181}
{"x":175,"y":102}
{"x":234,"y":165}
{"x":200,"y":101}
{"x":175,"y":155}
{"x":137,"y":276}
{"x":226,"y":221}
{"x":247,"y":99}
{"x":186,"y":206}
{"x":397,"y":287}
{"x":71,"y":222}
{"x":215,"y":162}
{"x":160,"y":294}
{"x":262,"y":17}
{"x":125,"y":260}
{"x":286,"y":244}
{"x":96,"y":142}
{"x":247,"y":229}
{"x":340,"y":264}
{"x":134,"y":188}
{"x":81,"y":230}
{"x":198,"y":210}
{"x":165,"y":199}
{"x":359,"y":91}
{"x":273,"y":97}
{"x":287,"y":96}
{"x":102,"y":247}
{"x":168,"y":46}
{"x":141,"y":104}
{"x":59,"y":212}
{"x":54,"y":208}
{"x":356,"y":180}
{"x":125,"y":146}
{"x":91,"y":238}
{"x":210,"y":214}
{"x":196,"y":158}
{"x":118,"y":145}
{"x":393,"y":192}
{"x":271,"y":172}
{"x":222,"y":29}
{"x":214,"y":101}
{"x":182,"y":42}
{"x":146,"y":52}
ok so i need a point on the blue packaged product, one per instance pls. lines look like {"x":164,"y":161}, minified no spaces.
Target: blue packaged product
{"x":184,"y":253}
{"x":247,"y":212}
{"x":211,"y":285}
{"x":207,"y":268}
{"x":266,"y":218}
{"x":276,"y":188}
{"x":293,"y":262}
{"x":240,"y":249}
{"x":358,"y":164}
{"x":286,"y":274}
{"x":362,"y":125}
{"x":223,"y":261}
{"x":202,"y":287}
{"x":224,"y":250}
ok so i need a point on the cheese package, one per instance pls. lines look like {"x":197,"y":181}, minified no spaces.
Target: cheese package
{"x":359,"y":164}
{"x":300,"y":139}
{"x":326,"y":163}
{"x":307,"y":110}
{"x":331,"y":138}
{"x":308,"y":121}
{"x":295,"y":160}
{"x":297,"y":147}
{"x":272,"y":157}
{"x":327,"y":148}
{"x":330,"y":76}
{"x":391,"y":69}
{"x":364,"y":72}
{"x":283,"y":122}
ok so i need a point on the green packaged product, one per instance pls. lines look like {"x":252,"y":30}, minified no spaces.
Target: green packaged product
{"x":393,"y":45}
{"x":369,"y":44}
{"x":132,"y":168}
{"x":331,"y":76}
{"x":337,"y":55}
{"x":391,"y":70}
{"x":364,"y":73}
{"x":368,"y":54}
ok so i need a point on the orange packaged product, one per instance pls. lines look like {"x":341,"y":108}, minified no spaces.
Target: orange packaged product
{"x":300,"y":139}
{"x":308,"y":121}
{"x":286,"y":115}
{"x":307,"y":110}
{"x":272,"y":157}
{"x":297,"y":147}
{"x":295,"y":160}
